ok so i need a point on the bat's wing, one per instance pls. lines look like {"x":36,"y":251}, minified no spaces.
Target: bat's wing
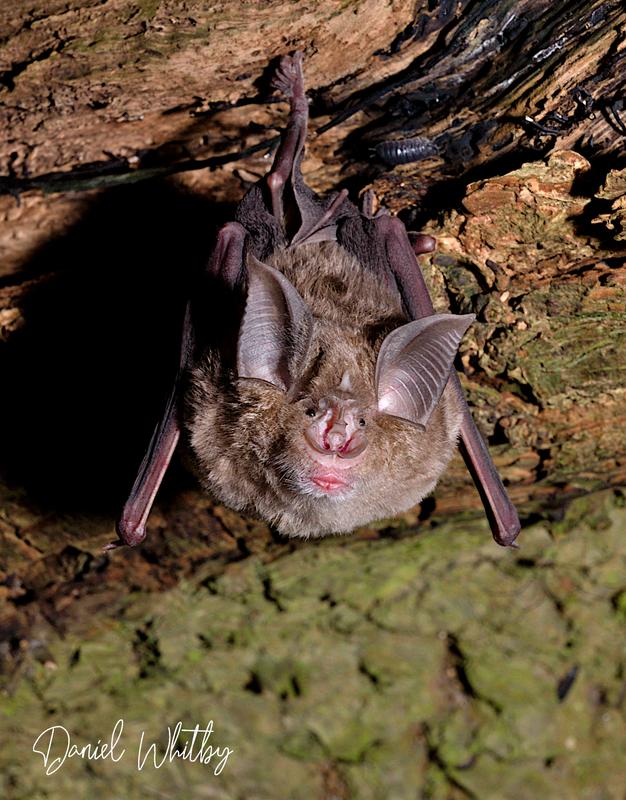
{"x":131,"y":526}
{"x":226,"y":264}
{"x":391,"y":236}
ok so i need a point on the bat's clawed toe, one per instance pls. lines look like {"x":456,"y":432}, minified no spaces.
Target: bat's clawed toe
{"x":288,"y":78}
{"x":113,"y":545}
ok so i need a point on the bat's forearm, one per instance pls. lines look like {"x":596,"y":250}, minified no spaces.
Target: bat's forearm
{"x":501,"y":513}
{"x":503,"y":518}
{"x":131,"y":526}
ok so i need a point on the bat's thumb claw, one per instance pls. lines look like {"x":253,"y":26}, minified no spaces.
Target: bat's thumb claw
{"x":131,"y":533}
{"x":422,"y":242}
{"x":507,"y":538}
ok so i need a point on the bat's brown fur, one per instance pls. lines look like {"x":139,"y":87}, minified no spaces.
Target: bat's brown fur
{"x":246,"y":435}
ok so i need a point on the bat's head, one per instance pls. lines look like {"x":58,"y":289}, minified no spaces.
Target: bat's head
{"x":331,"y":421}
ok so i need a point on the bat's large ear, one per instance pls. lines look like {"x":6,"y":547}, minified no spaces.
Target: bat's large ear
{"x":414,"y":365}
{"x":276,"y":329}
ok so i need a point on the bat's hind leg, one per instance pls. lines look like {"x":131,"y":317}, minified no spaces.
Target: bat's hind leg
{"x":303,"y":216}
{"x":289,"y":80}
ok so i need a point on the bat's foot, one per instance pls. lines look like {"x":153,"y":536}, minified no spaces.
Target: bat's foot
{"x":290,"y":81}
{"x":369,"y":202}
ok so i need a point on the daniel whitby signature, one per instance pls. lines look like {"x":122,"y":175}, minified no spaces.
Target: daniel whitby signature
{"x":55,"y":746}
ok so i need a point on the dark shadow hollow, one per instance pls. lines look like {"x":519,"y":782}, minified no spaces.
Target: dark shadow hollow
{"x":84,"y":380}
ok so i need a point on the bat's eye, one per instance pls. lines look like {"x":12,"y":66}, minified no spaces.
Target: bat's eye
{"x":361,"y":423}
{"x":310,"y":412}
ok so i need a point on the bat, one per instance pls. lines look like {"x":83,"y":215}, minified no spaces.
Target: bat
{"x":316,"y":387}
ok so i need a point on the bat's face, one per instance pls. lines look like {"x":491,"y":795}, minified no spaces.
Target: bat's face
{"x":328,"y":419}
{"x":334,"y":443}
{"x":337,"y":447}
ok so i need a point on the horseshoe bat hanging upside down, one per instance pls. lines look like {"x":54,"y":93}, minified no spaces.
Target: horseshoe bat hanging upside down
{"x":316,"y":386}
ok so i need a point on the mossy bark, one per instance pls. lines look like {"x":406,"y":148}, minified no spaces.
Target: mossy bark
{"x":436,"y":666}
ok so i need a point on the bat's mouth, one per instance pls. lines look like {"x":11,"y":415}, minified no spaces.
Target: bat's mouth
{"x":329,"y":477}
{"x":329,"y":482}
